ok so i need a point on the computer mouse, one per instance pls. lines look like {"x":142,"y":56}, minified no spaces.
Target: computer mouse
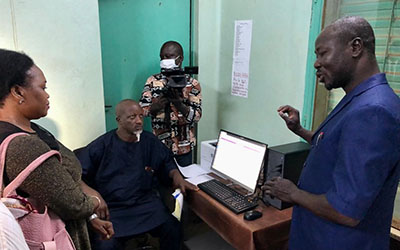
{"x":252,"y":215}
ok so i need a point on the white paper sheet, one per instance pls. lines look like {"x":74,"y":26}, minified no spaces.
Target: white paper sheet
{"x":241,"y":58}
{"x":199,"y":179}
{"x":192,"y":170}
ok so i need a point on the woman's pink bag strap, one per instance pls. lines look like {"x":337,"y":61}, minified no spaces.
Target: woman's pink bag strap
{"x":10,"y":189}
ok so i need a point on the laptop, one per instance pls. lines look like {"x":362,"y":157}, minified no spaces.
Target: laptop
{"x":239,"y":160}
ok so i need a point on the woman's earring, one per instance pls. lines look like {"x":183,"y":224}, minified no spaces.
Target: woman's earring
{"x":21,"y":101}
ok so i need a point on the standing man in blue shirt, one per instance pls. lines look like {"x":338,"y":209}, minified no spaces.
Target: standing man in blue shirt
{"x":345,"y":195}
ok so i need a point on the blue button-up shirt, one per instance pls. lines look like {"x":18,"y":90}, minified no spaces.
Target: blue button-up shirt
{"x":354,"y":161}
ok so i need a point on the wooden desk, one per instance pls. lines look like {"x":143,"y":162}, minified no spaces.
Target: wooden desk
{"x":271,"y":231}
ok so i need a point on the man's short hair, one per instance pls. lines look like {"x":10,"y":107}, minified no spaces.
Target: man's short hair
{"x":121,"y":106}
{"x":350,"y":27}
{"x":174,"y":44}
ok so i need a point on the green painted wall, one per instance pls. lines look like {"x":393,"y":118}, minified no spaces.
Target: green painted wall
{"x":277,"y":66}
{"x":132,"y":32}
{"x":310,"y":85}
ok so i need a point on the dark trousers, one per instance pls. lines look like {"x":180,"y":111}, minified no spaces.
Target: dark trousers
{"x":169,"y":234}
{"x":185,"y":159}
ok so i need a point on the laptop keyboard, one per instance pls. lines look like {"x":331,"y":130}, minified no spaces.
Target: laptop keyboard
{"x":227,"y":196}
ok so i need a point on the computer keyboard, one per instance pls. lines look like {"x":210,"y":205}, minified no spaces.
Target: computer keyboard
{"x":227,"y":196}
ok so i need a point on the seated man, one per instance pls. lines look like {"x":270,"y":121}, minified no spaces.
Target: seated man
{"x":124,"y":166}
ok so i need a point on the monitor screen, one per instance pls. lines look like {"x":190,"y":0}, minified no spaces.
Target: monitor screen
{"x":239,"y":159}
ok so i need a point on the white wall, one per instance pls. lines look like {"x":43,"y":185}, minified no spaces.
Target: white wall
{"x":277,"y":66}
{"x":63,"y":39}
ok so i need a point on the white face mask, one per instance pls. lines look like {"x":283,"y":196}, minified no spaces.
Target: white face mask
{"x":168,"y":63}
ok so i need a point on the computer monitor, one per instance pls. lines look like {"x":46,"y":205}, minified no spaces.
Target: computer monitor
{"x":239,"y":159}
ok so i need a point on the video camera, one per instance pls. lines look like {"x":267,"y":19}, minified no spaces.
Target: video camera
{"x":176,"y":77}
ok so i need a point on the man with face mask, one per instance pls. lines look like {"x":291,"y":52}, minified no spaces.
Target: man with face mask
{"x":345,"y":196}
{"x":173,"y":110}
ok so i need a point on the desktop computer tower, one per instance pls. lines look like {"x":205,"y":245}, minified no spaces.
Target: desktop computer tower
{"x":287,"y":162}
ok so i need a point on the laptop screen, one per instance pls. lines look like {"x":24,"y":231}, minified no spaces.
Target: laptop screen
{"x":239,"y":159}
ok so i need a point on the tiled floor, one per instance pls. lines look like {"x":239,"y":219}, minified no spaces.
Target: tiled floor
{"x":198,"y":236}
{"x":209,"y":240}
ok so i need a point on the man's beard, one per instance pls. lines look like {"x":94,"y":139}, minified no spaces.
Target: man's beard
{"x":137,"y":133}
